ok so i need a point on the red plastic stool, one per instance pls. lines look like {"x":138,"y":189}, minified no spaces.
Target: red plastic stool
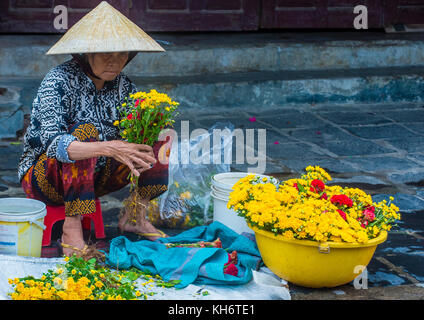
{"x":57,"y":213}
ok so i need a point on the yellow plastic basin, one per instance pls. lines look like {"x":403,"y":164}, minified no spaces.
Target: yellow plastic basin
{"x":312,"y":264}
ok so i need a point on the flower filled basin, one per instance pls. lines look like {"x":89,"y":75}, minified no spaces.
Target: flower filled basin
{"x":312,"y":264}
{"x":312,"y":233}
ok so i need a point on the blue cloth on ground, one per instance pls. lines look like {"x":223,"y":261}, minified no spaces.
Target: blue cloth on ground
{"x":190,"y":265}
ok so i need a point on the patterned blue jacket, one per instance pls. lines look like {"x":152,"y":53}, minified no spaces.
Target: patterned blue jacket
{"x":67,"y":96}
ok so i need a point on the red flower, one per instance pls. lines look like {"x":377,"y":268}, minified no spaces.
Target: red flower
{"x":295,"y":185}
{"x":217,"y":242}
{"x":138,"y":115}
{"x":324,"y":196}
{"x":130,"y":116}
{"x":341,"y":200}
{"x":136,"y":102}
{"x":317,"y":185}
{"x":232,"y":258}
{"x":342,"y":214}
{"x":369,"y":213}
{"x":231,"y":269}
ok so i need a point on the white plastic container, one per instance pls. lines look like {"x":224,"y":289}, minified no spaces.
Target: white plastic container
{"x":221,"y":188}
{"x":21,"y":226}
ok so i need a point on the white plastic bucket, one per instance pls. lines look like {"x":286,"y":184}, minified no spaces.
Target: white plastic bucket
{"x":222,"y":184}
{"x":21,"y":226}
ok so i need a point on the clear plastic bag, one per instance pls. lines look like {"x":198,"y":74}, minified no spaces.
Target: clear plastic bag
{"x":192,"y":164}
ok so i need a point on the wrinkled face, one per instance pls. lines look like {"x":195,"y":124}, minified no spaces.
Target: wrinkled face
{"x":107,"y":65}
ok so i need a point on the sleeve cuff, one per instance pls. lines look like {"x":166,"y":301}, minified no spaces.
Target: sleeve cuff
{"x":62,"y":148}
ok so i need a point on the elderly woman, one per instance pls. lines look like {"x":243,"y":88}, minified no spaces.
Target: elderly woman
{"x":72,"y":152}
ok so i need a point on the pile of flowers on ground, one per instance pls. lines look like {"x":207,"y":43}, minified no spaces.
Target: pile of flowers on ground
{"x":78,"y":279}
{"x":309,"y":209}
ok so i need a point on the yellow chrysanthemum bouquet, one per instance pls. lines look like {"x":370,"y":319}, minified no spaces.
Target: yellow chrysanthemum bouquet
{"x":308,"y":209}
{"x":143,"y":116}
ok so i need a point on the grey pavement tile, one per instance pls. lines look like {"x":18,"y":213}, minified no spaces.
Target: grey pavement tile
{"x":354,"y":147}
{"x":3,"y":187}
{"x":416,"y":127}
{"x":291,"y":151}
{"x":353,"y":117}
{"x":320,"y":134}
{"x":284,"y":120}
{"x":410,"y":145}
{"x":10,"y":180}
{"x":384,"y":277}
{"x":419,"y":157}
{"x":380,"y":275}
{"x":269,"y":168}
{"x":237,"y":122}
{"x":380,"y":131}
{"x":10,"y":156}
{"x":411,"y":177}
{"x":405,"y":252}
{"x":411,"y":223}
{"x":359,"y":179}
{"x":405,"y":202}
{"x":331,"y":165}
{"x":405,"y":115}
{"x":391,"y":106}
{"x":387,"y":163}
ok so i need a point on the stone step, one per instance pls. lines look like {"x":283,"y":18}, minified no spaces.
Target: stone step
{"x":265,"y":89}
{"x":282,"y":88}
{"x":200,"y":54}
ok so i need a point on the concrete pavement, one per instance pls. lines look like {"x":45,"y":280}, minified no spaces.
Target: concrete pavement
{"x":374,"y":147}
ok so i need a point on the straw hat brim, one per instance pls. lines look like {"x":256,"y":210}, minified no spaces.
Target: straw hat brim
{"x":104,"y":29}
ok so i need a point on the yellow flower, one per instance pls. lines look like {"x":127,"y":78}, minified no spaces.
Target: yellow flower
{"x":186,"y":195}
{"x":116,"y":123}
{"x":294,"y":211}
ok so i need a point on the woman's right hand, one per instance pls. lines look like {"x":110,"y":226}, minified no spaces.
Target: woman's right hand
{"x":138,"y":157}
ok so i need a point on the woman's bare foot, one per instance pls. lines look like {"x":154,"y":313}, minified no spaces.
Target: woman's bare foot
{"x":143,"y":228}
{"x":72,"y":235}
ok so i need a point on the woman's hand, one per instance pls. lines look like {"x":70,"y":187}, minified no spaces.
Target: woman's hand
{"x":138,"y":157}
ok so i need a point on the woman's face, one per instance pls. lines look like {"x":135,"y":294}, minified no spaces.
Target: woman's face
{"x":107,"y":65}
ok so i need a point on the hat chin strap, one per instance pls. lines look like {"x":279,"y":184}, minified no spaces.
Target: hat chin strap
{"x":82,"y":61}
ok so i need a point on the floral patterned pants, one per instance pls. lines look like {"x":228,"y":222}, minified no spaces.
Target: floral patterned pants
{"x":77,"y":185}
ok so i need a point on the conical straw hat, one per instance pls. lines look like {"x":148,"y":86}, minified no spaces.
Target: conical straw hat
{"x":104,"y":29}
